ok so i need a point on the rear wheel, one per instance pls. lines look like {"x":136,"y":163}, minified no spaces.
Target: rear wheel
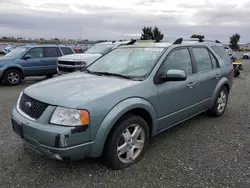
{"x":245,"y":57}
{"x":127,"y":142}
{"x":220,"y":103}
{"x":49,"y":75}
{"x":12,"y":77}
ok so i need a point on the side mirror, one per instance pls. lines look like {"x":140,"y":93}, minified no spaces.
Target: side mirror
{"x":174,"y":75}
{"x":27,"y":57}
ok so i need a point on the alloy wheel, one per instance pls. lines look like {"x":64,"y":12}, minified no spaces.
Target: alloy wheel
{"x":13,"y":77}
{"x":131,"y":143}
{"x":222,"y":101}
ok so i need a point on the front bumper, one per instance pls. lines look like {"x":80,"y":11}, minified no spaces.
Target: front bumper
{"x":52,"y":141}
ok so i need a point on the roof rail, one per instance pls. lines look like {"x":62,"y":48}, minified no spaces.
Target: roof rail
{"x":180,"y":40}
{"x":131,"y":42}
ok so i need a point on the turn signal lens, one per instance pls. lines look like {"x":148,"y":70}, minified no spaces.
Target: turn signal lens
{"x":84,"y":117}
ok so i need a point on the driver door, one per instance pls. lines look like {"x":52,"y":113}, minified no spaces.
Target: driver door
{"x":32,"y":62}
{"x":176,"y":99}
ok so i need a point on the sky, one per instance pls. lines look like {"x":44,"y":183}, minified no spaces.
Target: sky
{"x":124,"y":19}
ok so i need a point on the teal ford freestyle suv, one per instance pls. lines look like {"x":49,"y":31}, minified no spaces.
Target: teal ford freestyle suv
{"x":114,"y":106}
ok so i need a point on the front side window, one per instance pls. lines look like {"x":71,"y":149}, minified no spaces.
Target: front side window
{"x":202,"y":59}
{"x":35,"y":53}
{"x":179,"y":59}
{"x":133,"y":62}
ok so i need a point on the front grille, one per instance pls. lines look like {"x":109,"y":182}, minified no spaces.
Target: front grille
{"x":66,"y":69}
{"x":66,"y":62}
{"x":32,"y":107}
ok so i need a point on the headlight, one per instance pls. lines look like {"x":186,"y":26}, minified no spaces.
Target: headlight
{"x":70,"y":117}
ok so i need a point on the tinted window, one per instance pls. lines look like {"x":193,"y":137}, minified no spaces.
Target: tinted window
{"x":222,"y":53}
{"x":179,"y":59}
{"x":202,"y":59}
{"x":50,"y":52}
{"x":59,"y":53}
{"x":35,"y":53}
{"x":67,"y":51}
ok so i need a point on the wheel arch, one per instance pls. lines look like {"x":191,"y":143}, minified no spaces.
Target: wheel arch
{"x":223,"y":82}
{"x":137,"y":106}
{"x":14,"y":68}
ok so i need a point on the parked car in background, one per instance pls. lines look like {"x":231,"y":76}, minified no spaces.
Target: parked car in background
{"x":123,"y":99}
{"x":76,"y":62}
{"x":230,"y":53}
{"x":246,"y":55}
{"x":35,"y":60}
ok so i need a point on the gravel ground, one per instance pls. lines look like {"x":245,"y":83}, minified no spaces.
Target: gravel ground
{"x":202,"y":152}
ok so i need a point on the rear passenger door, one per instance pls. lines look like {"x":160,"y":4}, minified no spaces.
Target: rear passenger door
{"x":208,"y":74}
{"x":50,"y":59}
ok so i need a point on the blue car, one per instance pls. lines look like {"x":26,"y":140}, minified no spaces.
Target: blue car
{"x":37,"y":60}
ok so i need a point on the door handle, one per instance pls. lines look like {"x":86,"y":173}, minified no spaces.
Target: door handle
{"x":191,"y":84}
{"x":217,"y":76}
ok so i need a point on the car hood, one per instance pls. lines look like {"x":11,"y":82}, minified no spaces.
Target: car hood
{"x":4,"y":60}
{"x":76,"y":89}
{"x":88,"y":58}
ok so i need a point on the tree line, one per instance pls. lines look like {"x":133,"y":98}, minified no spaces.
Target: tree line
{"x":149,"y":33}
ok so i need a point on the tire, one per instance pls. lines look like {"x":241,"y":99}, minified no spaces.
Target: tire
{"x":245,"y":57}
{"x":236,"y":73}
{"x":49,"y":75}
{"x":12,"y":77}
{"x":115,"y":139}
{"x":218,"y":102}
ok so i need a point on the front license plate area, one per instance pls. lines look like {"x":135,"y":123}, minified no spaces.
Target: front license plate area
{"x":17,"y":127}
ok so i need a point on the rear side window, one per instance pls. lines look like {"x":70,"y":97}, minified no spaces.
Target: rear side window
{"x":202,"y":59}
{"x":67,"y":51}
{"x":214,"y":60}
{"x":50,"y":52}
{"x":222,"y":53}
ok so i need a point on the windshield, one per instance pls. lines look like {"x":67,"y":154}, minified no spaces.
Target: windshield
{"x":100,"y":49}
{"x":16,"y":52}
{"x":133,"y":62}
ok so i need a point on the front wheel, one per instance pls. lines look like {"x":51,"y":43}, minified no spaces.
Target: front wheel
{"x":220,"y":103}
{"x":127,"y":142}
{"x":12,"y":77}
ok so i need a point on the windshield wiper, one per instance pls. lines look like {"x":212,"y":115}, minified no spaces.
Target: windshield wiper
{"x":91,"y":72}
{"x":113,"y":74}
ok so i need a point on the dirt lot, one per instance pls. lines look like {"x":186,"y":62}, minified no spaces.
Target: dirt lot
{"x":203,"y":152}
